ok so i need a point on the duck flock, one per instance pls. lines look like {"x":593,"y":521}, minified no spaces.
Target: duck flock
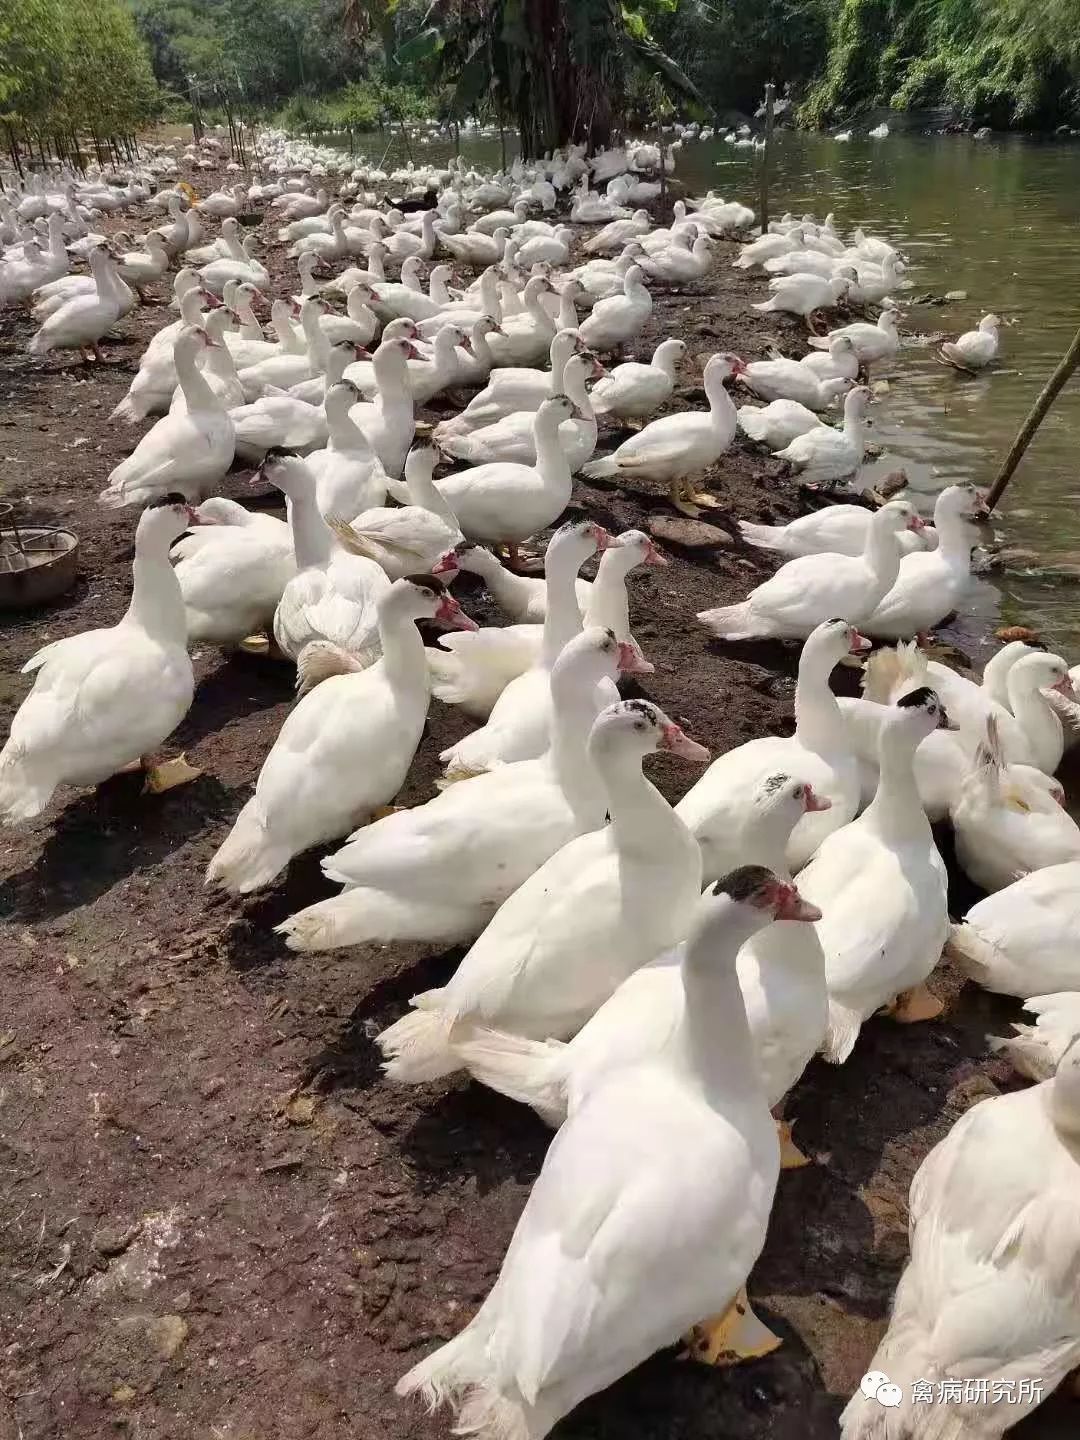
{"x":651,"y":980}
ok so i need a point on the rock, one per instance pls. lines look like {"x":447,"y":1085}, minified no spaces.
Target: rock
{"x":166,"y":1333}
{"x":690,"y":534}
{"x":115,"y":1239}
{"x":1016,"y":632}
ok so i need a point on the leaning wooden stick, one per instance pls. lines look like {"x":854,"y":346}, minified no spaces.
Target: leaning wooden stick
{"x":1048,"y":395}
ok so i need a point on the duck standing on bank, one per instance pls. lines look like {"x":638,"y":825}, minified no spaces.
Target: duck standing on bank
{"x":597,"y":1276}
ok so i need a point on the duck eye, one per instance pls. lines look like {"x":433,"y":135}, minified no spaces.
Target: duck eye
{"x":798,"y":792}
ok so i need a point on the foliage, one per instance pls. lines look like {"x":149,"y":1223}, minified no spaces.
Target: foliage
{"x":1001,"y":62}
{"x":66,"y":69}
{"x":732,"y":48}
{"x":556,"y":68}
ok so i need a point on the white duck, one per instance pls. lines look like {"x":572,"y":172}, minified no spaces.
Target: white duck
{"x":601,"y":906}
{"x":633,"y":391}
{"x":284,"y":368}
{"x":777,"y":424}
{"x":514,"y":388}
{"x":217,"y":366}
{"x":389,"y":422}
{"x":311,"y":788}
{"x":155,"y":381}
{"x":349,"y":475}
{"x":873,"y":343}
{"x":881,"y":887}
{"x":410,"y":538}
{"x":615,"y":234}
{"x":518,"y":726}
{"x":840,"y":361}
{"x":617,"y":320}
{"x":807,"y":590}
{"x":781,"y":975}
{"x":791,"y":380}
{"x":507,"y":503}
{"x":232,"y":572}
{"x":1009,"y":820}
{"x":1022,"y":940}
{"x":83,"y":321}
{"x":439,"y":871}
{"x":975,"y":349}
{"x":333,"y":595}
{"x":839,"y":529}
{"x":676,"y":448}
{"x":189,"y":453}
{"x":104,"y":700}
{"x":511,"y":438}
{"x":930,"y":583}
{"x":823,"y":455}
{"x":526,"y":337}
{"x":635,"y":1280}
{"x":804,"y":294}
{"x":719,"y":806}
{"x":522,"y":597}
{"x":984,"y":1298}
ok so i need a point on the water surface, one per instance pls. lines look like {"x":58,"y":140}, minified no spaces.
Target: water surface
{"x":999,"y":219}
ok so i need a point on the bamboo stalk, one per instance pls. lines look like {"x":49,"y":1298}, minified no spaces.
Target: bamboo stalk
{"x":766,"y":157}
{"x":1049,"y":393}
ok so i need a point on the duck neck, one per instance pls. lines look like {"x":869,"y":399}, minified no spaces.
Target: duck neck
{"x":573,"y":712}
{"x":157,"y":603}
{"x":311,"y":536}
{"x":489,"y":294}
{"x":197,"y":392}
{"x":568,"y":317}
{"x":954,"y":542}
{"x":721,"y":406}
{"x":818,"y":722}
{"x":609,"y":604}
{"x":854,"y":431}
{"x":1037,"y":720}
{"x":392,"y":380}
{"x":562,"y":618}
{"x":715,"y":1048}
{"x":422,"y":490}
{"x":896,"y":811}
{"x":344,"y":433}
{"x":404,"y":662}
{"x":644,"y":824}
{"x":881,"y":554}
{"x":551,"y":461}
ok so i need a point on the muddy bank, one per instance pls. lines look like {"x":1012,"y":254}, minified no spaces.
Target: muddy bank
{"x":215,"y":1221}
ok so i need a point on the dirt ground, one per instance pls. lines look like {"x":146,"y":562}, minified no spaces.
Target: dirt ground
{"x":216,"y":1223}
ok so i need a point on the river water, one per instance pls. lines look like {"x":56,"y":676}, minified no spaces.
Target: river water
{"x":1000,"y":220}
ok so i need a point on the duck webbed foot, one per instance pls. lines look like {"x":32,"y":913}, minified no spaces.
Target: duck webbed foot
{"x":167,"y":775}
{"x":916,"y":1004}
{"x":791,"y":1157}
{"x":732,"y":1337}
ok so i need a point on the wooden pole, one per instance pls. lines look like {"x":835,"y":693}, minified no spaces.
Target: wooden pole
{"x":1049,"y":393}
{"x":766,"y":157}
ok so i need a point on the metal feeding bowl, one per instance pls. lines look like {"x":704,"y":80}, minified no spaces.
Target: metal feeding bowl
{"x":37,"y":562}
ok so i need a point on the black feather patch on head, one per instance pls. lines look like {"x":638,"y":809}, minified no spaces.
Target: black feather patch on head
{"x":918,"y":698}
{"x":278,"y":452}
{"x":837,"y":620}
{"x":641,"y":707}
{"x":173,"y":498}
{"x":747,"y":880}
{"x":427,"y":582}
{"x":610,"y":634}
{"x":774,"y":783}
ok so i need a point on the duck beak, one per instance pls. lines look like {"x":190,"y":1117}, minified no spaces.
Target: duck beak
{"x":655,"y":557}
{"x":916,"y":523}
{"x":361,"y":353}
{"x":412,"y":353}
{"x":446,"y":564}
{"x":192,"y":515}
{"x":815,"y":803}
{"x":944,"y":723}
{"x":678,"y":742}
{"x":450,"y":613}
{"x":1065,"y":687}
{"x":790,"y":905}
{"x":859,"y":643}
{"x":601,"y":538}
{"x":632,"y":662}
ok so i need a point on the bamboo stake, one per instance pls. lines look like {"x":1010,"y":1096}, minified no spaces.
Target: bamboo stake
{"x":766,"y":156}
{"x":1049,"y":393}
